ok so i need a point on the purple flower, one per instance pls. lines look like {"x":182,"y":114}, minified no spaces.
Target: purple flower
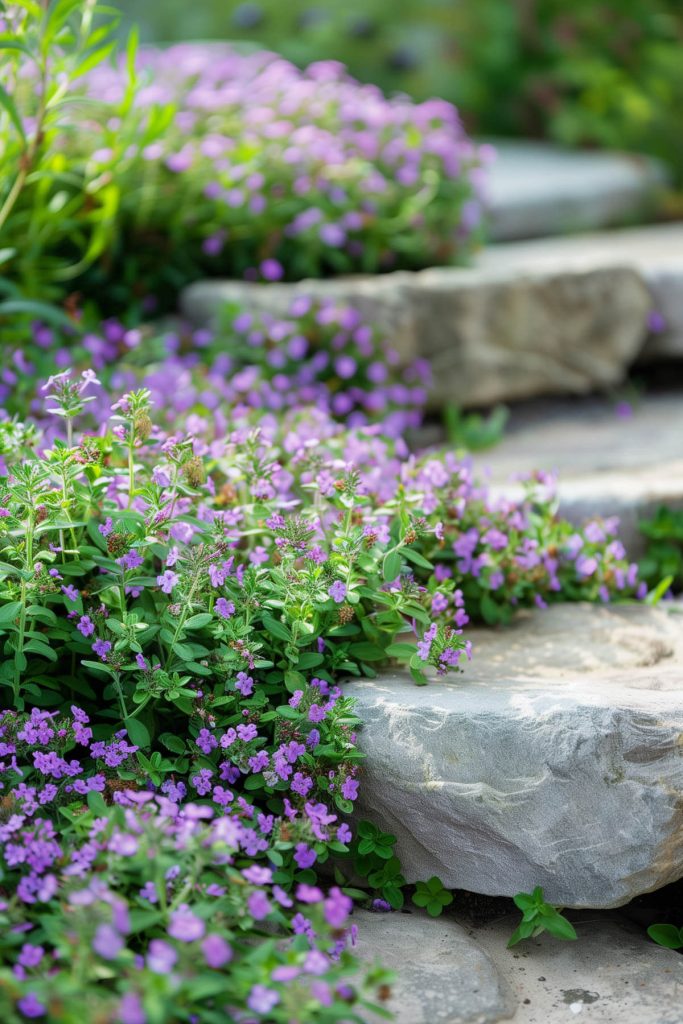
{"x":161,"y":957}
{"x":85,"y":626}
{"x":337,"y":591}
{"x":186,"y":926}
{"x":102,"y":648}
{"x":107,"y":942}
{"x":245,"y":684}
{"x":262,"y":999}
{"x":217,"y":952}
{"x":259,"y":905}
{"x":226,"y":609}
{"x":30,"y":1006}
{"x":305,"y":856}
{"x":70,"y":592}
{"x":106,"y":527}
{"x":271,"y":270}
{"x":167,"y":581}
{"x":30,"y":956}
{"x":344,"y":834}
{"x":131,"y":1010}
{"x":131,"y":560}
{"x":350,"y":789}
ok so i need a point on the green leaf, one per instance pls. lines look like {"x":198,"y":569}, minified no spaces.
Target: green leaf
{"x":402,"y":650}
{"x":138,"y":732}
{"x":654,"y":596}
{"x":367,"y":652}
{"x":666,"y":935}
{"x":417,"y":559}
{"x":276,"y":628}
{"x":8,"y":613}
{"x":38,"y":647}
{"x":7,"y":102}
{"x":96,"y":804}
{"x":391,"y":567}
{"x":172,"y":742}
{"x":198,"y":621}
{"x":558,"y":925}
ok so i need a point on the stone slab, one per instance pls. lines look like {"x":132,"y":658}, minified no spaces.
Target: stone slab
{"x":556,"y":759}
{"x":654,"y":253}
{"x":607,"y":465}
{"x":613,"y":974}
{"x":442,"y":976}
{"x":552,"y":316}
{"x":536,"y":189}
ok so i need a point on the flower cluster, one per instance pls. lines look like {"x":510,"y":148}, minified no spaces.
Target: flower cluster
{"x":138,"y":901}
{"x":200,"y":160}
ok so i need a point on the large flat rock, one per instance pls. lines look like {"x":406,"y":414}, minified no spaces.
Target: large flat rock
{"x":553,"y":316}
{"x":556,"y":759}
{"x":537,"y":189}
{"x":607,"y":464}
{"x":613,"y":974}
{"x":442,"y":975}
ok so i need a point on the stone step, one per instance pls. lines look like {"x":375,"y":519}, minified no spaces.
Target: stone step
{"x":449,"y":972}
{"x":554,"y":316}
{"x":556,"y":759}
{"x":538,"y":189}
{"x":608,"y":464}
{"x":442,"y":976}
{"x":613,"y":974}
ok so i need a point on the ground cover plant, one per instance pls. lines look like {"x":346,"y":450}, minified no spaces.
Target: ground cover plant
{"x":196,"y":600}
{"x":186,"y":579}
{"x":139,"y":172}
{"x":586,"y":73}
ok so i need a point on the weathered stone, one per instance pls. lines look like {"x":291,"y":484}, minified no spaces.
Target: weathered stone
{"x":538,"y":189}
{"x":607,"y":465}
{"x":489,"y":335}
{"x":442,"y":976}
{"x":613,"y":973}
{"x":654,"y":253}
{"x":553,"y":316}
{"x":555,"y":760}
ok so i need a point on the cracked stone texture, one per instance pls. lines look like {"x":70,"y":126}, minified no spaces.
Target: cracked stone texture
{"x":442,"y":976}
{"x":613,"y":974}
{"x":607,"y":466}
{"x":556,"y":759}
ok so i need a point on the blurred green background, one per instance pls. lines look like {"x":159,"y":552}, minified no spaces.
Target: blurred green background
{"x":582,"y":72}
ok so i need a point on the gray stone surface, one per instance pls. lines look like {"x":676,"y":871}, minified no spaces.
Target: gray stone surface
{"x":555,"y":760}
{"x":654,"y":253}
{"x":613,"y":974}
{"x":442,"y":976}
{"x":607,"y":465}
{"x":538,"y":189}
{"x":552,"y":316}
{"x":489,"y":335}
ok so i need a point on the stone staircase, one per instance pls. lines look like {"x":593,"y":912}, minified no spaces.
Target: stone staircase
{"x":556,"y":759}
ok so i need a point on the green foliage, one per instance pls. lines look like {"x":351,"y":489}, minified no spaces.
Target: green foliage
{"x":432,"y":896}
{"x":537,"y":917}
{"x":59,"y":209}
{"x":666,"y":935}
{"x":663,"y":559}
{"x":371,"y":857}
{"x":473,"y":431}
{"x":125,"y":175}
{"x":593,"y":72}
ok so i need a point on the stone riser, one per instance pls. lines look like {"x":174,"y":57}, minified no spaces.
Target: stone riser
{"x":557,"y":316}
